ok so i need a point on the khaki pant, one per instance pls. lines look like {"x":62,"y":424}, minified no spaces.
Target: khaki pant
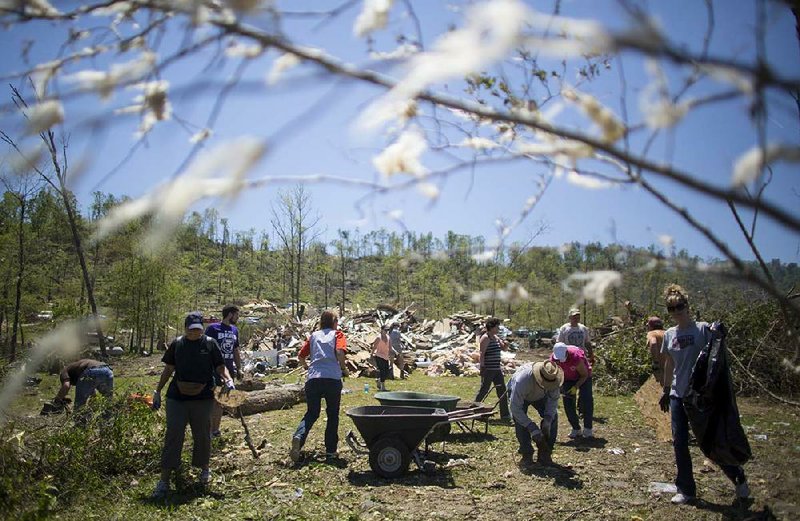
{"x":197,"y":413}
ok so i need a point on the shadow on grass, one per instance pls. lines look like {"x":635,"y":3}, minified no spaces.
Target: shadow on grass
{"x":585,"y":444}
{"x":466,"y":437}
{"x":441,"y":478}
{"x":740,"y":509}
{"x":182,"y":497}
{"x":561,"y":476}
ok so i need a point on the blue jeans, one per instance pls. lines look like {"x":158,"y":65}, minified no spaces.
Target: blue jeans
{"x":316,"y":389}
{"x":680,"y":442}
{"x":524,"y":436}
{"x":95,"y":378}
{"x":585,"y":403}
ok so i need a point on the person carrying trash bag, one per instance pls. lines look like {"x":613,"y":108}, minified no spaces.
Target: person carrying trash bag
{"x":191,"y":360}
{"x":682,"y":346}
{"x":538,"y":385}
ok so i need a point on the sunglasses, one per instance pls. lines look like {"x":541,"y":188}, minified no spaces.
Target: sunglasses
{"x":678,"y":307}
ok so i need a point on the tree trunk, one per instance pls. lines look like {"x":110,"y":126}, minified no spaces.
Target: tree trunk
{"x":76,"y":240}
{"x":272,"y":399}
{"x":20,"y":274}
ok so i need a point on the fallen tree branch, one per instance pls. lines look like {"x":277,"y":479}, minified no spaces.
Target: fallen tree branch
{"x":762,"y":386}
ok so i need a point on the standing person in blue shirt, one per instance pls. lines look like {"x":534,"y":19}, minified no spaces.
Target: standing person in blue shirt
{"x":326,"y":349}
{"x":227,"y":336}
{"x":681,"y":346}
{"x":491,"y":369}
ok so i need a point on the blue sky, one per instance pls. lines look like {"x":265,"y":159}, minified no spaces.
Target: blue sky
{"x":707,"y":142}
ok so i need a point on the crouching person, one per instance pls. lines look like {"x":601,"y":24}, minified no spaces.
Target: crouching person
{"x":535,"y":384}
{"x":87,"y":376}
{"x":193,"y":359}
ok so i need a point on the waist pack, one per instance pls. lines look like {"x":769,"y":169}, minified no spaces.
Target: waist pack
{"x":190,"y":388}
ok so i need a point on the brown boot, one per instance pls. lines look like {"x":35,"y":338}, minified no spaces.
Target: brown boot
{"x":543,"y":450}
{"x":526,"y":461}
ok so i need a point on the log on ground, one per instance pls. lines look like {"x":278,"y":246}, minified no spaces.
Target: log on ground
{"x":273,"y":398}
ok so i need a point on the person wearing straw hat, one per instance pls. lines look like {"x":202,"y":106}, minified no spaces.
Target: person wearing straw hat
{"x":535,"y":384}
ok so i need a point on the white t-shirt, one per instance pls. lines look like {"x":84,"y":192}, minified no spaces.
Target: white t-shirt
{"x":684,"y":346}
{"x":573,"y":336}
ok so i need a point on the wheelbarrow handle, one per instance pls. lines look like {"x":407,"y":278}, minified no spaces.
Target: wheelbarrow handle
{"x":355,"y":444}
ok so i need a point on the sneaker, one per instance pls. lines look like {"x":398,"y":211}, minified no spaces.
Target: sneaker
{"x":205,"y":477}
{"x":161,"y":490}
{"x":526,"y":461}
{"x":742,"y":490}
{"x":681,"y":499}
{"x":587,"y":433}
{"x":294,"y":453}
{"x":574,"y":433}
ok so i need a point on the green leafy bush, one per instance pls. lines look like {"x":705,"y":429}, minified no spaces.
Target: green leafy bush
{"x":622,"y":361}
{"x":71,"y":456}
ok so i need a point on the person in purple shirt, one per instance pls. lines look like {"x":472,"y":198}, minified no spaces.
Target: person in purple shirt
{"x":227,"y":336}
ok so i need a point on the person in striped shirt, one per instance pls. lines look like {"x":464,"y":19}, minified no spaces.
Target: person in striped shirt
{"x":491,"y":369}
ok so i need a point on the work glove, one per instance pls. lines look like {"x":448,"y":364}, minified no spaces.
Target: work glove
{"x":545,"y":428}
{"x":156,"y":400}
{"x":664,"y":401}
{"x":229,"y":386}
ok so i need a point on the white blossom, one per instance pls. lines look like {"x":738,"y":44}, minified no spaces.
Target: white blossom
{"x":478,"y":143}
{"x":44,"y":115}
{"x":429,"y":190}
{"x":666,"y":240}
{"x":403,"y":51}
{"x":105,"y":82}
{"x":237,"y":49}
{"x":116,"y":8}
{"x":484,"y":256}
{"x":492,"y":29}
{"x":748,"y":167}
{"x":282,"y":64}
{"x":373,"y":16}
{"x":403,"y":156}
{"x":153,"y":105}
{"x":200,"y":136}
{"x":596,"y":284}
{"x":610,"y":126}
{"x":655,"y":103}
{"x":586,"y":181}
{"x":513,"y":293}
{"x":395,"y":214}
{"x":39,"y":8}
{"x":220,"y":172}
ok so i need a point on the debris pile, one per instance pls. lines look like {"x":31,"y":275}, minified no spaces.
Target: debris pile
{"x":444,"y":347}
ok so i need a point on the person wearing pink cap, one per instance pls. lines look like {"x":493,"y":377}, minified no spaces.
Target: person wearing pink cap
{"x":577,"y":378}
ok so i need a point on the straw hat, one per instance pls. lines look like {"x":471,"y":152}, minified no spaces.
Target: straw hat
{"x":548,"y":375}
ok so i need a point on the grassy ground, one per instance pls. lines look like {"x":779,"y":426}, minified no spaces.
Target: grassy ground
{"x":477,"y":476}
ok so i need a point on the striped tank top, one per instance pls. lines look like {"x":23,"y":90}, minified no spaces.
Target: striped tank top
{"x":491,"y":357}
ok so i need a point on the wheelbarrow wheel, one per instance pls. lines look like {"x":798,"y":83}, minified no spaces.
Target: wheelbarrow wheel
{"x":389,"y":457}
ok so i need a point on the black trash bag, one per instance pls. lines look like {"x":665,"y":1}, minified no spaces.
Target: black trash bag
{"x":711,"y":407}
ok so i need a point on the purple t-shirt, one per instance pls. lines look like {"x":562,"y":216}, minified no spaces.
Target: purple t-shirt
{"x":227,"y":337}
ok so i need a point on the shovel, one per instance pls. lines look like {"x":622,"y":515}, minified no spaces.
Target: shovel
{"x":233,"y":400}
